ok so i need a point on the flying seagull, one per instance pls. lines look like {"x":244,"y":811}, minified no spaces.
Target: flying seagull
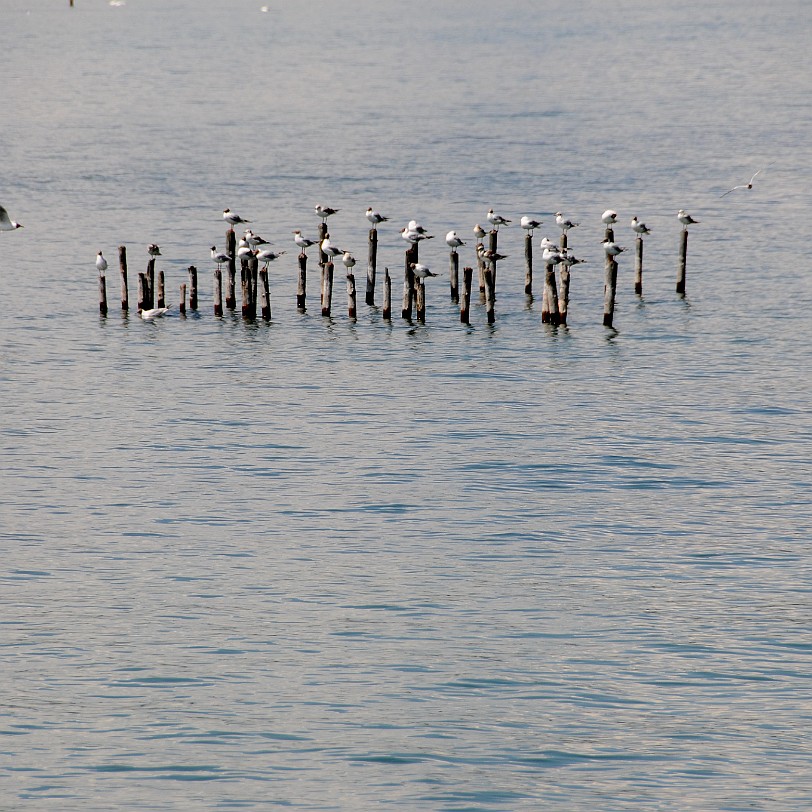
{"x":747,"y":185}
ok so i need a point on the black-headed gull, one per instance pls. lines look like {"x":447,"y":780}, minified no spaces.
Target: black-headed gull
{"x":496,"y":220}
{"x":153,"y":313}
{"x":244,"y":250}
{"x":6,"y":223}
{"x":267,"y":256}
{"x":232,"y":218}
{"x":349,"y":262}
{"x":324,"y":211}
{"x":563,"y":223}
{"x":302,"y":241}
{"x":480,"y":232}
{"x":219,"y":257}
{"x":611,"y":248}
{"x":329,"y":249}
{"x":153,"y":250}
{"x":413,"y":225}
{"x":375,"y":217}
{"x":609,"y":217}
{"x":421,"y":271}
{"x":639,"y":228}
{"x":685,"y":218}
{"x":453,"y":241}
{"x":414,"y":236}
{"x":551,"y":256}
{"x":528,"y":223}
{"x":748,"y":185}
{"x":101,"y":262}
{"x":254,"y":239}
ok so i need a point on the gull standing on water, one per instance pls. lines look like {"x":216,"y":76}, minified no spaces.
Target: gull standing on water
{"x":564,"y":224}
{"x":639,"y":228}
{"x":496,"y":220}
{"x":324,"y":212}
{"x":232,"y":218}
{"x":375,"y":217}
{"x":747,"y":185}
{"x":529,"y":224}
{"x":153,"y":313}
{"x":6,"y":223}
{"x":685,"y":219}
{"x":453,"y":241}
{"x":101,"y":263}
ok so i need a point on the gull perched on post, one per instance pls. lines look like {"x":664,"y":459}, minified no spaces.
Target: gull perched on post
{"x":101,"y":263}
{"x":529,"y":224}
{"x":219,"y":257}
{"x":496,"y":220}
{"x":609,"y":217}
{"x":564,"y":224}
{"x":685,"y":219}
{"x":232,"y":218}
{"x":453,"y":241}
{"x":639,"y":228}
{"x":375,"y":217}
{"x":301,"y":241}
{"x":324,"y":212}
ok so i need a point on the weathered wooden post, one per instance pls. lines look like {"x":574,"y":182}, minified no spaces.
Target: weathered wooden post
{"x":231,"y":279}
{"x":245,"y":287}
{"x":142,"y":291}
{"x":253,"y":274}
{"x":609,"y":287}
{"x":638,"y":266}
{"x":454,"y":275}
{"x":151,"y":283}
{"x":372,"y":265}
{"x":408,"y":281}
{"x":683,"y":255}
{"x":352,"y":309}
{"x":301,"y":289}
{"x":323,"y":235}
{"x":493,"y":239}
{"x":161,"y":290}
{"x":327,"y":292}
{"x":480,"y":261}
{"x":465,"y":302}
{"x":218,"y":292}
{"x":551,"y":294}
{"x":182,"y":305}
{"x":564,"y":293}
{"x":528,"y":263}
{"x":192,"y":287}
{"x":122,"y":264}
{"x":489,"y":293}
{"x":265,"y":295}
{"x":420,"y":300}
{"x":102,"y":294}
{"x":387,"y":295}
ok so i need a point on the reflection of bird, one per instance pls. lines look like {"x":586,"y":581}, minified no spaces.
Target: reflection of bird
{"x":685,"y":218}
{"x":374,"y":217}
{"x":267,"y":256}
{"x":219,"y":257}
{"x":639,"y":228}
{"x":496,"y":220}
{"x":233,"y":219}
{"x":324,"y":211}
{"x":747,"y":185}
{"x":609,"y":217}
{"x":612,"y":248}
{"x":101,"y":262}
{"x":301,"y":241}
{"x":6,"y":223}
{"x":453,"y":241}
{"x":528,"y":223}
{"x":563,"y":223}
{"x":421,"y":271}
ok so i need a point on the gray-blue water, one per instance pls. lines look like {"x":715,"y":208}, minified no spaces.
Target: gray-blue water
{"x":325,"y":565}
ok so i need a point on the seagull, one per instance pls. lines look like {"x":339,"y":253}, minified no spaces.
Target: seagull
{"x":153,"y":250}
{"x":565,"y":225}
{"x":415,"y":237}
{"x":267,"y":256}
{"x":415,"y":226}
{"x":640,"y":228}
{"x":747,"y":185}
{"x":6,"y":223}
{"x":219,"y":257}
{"x":609,"y":217}
{"x":101,"y":263}
{"x":233,"y":219}
{"x":685,"y":218}
{"x":480,"y":232}
{"x":528,"y":223}
{"x":324,"y":212}
{"x":551,"y":256}
{"x":493,"y":256}
{"x":301,"y":241}
{"x":546,"y":242}
{"x":329,"y":249}
{"x":453,"y":241}
{"x":374,"y":217}
{"x":153,"y":313}
{"x":421,"y":271}
{"x":496,"y":220}
{"x":568,"y":259}
{"x":349,"y":262}
{"x":612,"y":248}
{"x":244,"y":251}
{"x":254,"y":239}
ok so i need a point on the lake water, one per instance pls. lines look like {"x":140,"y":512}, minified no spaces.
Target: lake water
{"x":330,"y":565}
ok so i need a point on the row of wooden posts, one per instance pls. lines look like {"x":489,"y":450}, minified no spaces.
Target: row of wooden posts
{"x":255,"y":286}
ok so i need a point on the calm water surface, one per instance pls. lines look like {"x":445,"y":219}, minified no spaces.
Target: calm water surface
{"x":332,"y":565}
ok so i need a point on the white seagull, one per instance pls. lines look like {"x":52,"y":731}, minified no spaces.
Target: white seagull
{"x":349,"y":262}
{"x":609,"y":217}
{"x":414,"y":236}
{"x":254,"y":240}
{"x":480,"y":232}
{"x":329,"y":249}
{"x":101,"y":263}
{"x":551,"y":256}
{"x":747,"y":185}
{"x":6,"y":223}
{"x":153,"y":313}
{"x":244,"y":251}
{"x":685,"y":218}
{"x":232,"y":218}
{"x":374,"y":217}
{"x":268,"y":256}
{"x":612,"y":248}
{"x":219,"y":257}
{"x":453,"y":241}
{"x":639,"y":228}
{"x":496,"y":220}
{"x":528,"y":223}
{"x":301,"y":241}
{"x":415,"y":226}
{"x":324,"y":211}
{"x":421,"y":271}
{"x":568,"y":259}
{"x":493,"y":256}
{"x":546,"y":242}
{"x":562,"y":223}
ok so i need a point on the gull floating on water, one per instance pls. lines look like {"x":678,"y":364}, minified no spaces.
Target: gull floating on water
{"x":301,"y":241}
{"x":6,"y":223}
{"x":219,"y":257}
{"x":747,"y":185}
{"x":153,"y":250}
{"x":453,"y":241}
{"x":639,"y":228}
{"x":612,"y":248}
{"x":564,"y":224}
{"x":685,"y":218}
{"x":268,"y":256}
{"x":232,"y":218}
{"x":609,"y":217}
{"x":101,"y":262}
{"x":153,"y":313}
{"x":324,"y":211}
{"x":422,"y":271}
{"x":496,"y":220}
{"x":375,"y":217}
{"x":528,"y":223}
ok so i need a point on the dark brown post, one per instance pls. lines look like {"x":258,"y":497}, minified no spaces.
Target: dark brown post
{"x":609,"y":287}
{"x":301,"y":290}
{"x":564,"y":294}
{"x":551,"y":294}
{"x":638,"y":266}
{"x":387,"y":295}
{"x":122,"y":264}
{"x":408,"y":281}
{"x":142,"y":291}
{"x":151,"y":283}
{"x":245,"y":286}
{"x":465,"y":301}
{"x":192,"y":287}
{"x":218,"y":292}
{"x":528,"y":262}
{"x":231,"y":279}
{"x":102,"y":294}
{"x":372,"y":264}
{"x":161,"y":290}
{"x":327,"y":292}
{"x":683,"y":255}
{"x":322,"y":236}
{"x":493,"y":239}
{"x":265,"y":295}
{"x":454,"y":274}
{"x":420,"y":299}
{"x":480,"y":261}
{"x":352,"y":309}
{"x":182,"y":305}
{"x":489,"y":293}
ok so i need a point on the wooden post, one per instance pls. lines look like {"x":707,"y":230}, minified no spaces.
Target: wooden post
{"x":372,"y":265}
{"x":182,"y":305}
{"x":231,"y":279}
{"x":493,"y":238}
{"x":265,"y":295}
{"x":253,"y":273}
{"x":352,"y":310}
{"x":683,"y":255}
{"x":454,"y":275}
{"x":564,"y":294}
{"x":638,"y":266}
{"x":551,"y":293}
{"x":218,"y":292}
{"x":609,"y":234}
{"x":122,"y":264}
{"x":563,"y":242}
{"x":102,"y":294}
{"x":323,"y":235}
{"x":161,"y":290}
{"x":489,"y":291}
{"x":609,"y":287}
{"x":301,"y":290}
{"x":142,"y":291}
{"x":528,"y":262}
{"x":408,"y":281}
{"x":192,"y":287}
{"x":480,"y":261}
{"x":327,"y":292}
{"x":151,"y":283}
{"x":245,"y":287}
{"x":420,"y":299}
{"x":387,"y":295}
{"x":465,"y":302}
